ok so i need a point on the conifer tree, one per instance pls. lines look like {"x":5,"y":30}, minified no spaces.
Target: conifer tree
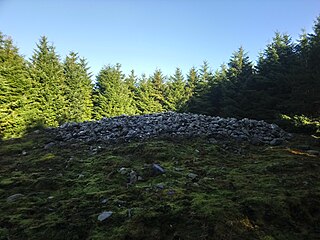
{"x":199,"y":102}
{"x":240,"y":70}
{"x":49,"y":84}
{"x":147,"y":97}
{"x":272,"y":86}
{"x":313,"y":100}
{"x":176,"y":94}
{"x":131,"y":81}
{"x":215,"y":93}
{"x":78,"y":90}
{"x":158,"y":88}
{"x":205,"y":78}
{"x":112,"y":97}
{"x":14,"y":90}
{"x":192,"y":81}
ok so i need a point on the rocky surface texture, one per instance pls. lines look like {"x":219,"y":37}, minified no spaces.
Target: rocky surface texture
{"x":169,"y":125}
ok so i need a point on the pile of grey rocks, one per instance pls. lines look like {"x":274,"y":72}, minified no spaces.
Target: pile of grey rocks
{"x":170,"y":125}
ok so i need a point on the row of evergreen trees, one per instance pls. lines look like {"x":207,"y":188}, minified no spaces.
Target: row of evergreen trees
{"x":47,"y":91}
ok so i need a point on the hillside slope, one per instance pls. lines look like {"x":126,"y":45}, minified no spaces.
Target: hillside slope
{"x":169,"y":188}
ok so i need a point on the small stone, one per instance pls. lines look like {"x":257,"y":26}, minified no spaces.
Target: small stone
{"x":49,"y":145}
{"x":14,"y":197}
{"x":160,"y":185}
{"x":158,"y":169}
{"x":140,"y":178}
{"x":104,"y":215}
{"x":123,"y":170}
{"x":192,"y":176}
{"x":276,"y":142}
{"x":24,"y":153}
{"x":50,"y":197}
{"x":178,"y":169}
{"x":133,"y":177}
{"x":104,"y":201}
{"x":171,"y":192}
{"x":129,"y":212}
{"x":80,"y":175}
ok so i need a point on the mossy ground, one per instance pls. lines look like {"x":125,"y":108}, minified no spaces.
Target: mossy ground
{"x":240,"y":192}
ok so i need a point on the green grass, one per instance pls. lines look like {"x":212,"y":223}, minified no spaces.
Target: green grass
{"x":240,"y":192}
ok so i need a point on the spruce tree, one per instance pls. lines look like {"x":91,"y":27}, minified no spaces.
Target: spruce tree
{"x":199,"y":102}
{"x":192,"y":80}
{"x":147,"y":97}
{"x":215,"y":93}
{"x":176,"y":94}
{"x":240,"y":70}
{"x":272,"y":86}
{"x":205,"y":78}
{"x":132,"y":83}
{"x":158,"y":88}
{"x":112,"y":96}
{"x":47,"y":74}
{"x":313,"y":100}
{"x":78,"y":90}
{"x":14,"y":90}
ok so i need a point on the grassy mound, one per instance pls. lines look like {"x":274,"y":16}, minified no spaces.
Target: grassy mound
{"x":223,"y":190}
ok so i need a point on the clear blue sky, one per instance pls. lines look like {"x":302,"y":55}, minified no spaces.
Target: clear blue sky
{"x":147,"y":34}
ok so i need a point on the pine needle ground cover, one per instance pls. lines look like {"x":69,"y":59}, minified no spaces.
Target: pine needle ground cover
{"x":207,"y":189}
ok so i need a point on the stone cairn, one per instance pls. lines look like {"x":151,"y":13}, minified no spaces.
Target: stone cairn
{"x":170,"y":125}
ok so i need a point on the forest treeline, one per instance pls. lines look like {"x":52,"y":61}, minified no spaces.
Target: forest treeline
{"x":283,"y":85}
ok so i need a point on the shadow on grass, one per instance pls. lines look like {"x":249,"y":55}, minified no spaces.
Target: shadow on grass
{"x":226,"y":190}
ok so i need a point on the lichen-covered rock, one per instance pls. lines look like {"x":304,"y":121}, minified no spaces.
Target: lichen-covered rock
{"x":170,"y":124}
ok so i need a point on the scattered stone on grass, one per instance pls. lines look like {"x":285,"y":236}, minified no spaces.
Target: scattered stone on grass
{"x":49,"y":145}
{"x":192,"y":176}
{"x":157,"y":169}
{"x":104,"y":215}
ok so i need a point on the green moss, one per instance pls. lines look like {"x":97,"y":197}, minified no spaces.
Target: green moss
{"x":260,"y":193}
{"x":48,"y":156}
{"x":6,"y":182}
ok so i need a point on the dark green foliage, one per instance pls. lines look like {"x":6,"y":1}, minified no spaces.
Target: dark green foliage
{"x":192,"y":80}
{"x":151,"y":94}
{"x":78,"y":89}
{"x":49,"y":87}
{"x":148,"y":97}
{"x":239,"y":72}
{"x":158,"y":88}
{"x":176,"y":93}
{"x":199,"y":82}
{"x":309,"y":82}
{"x":132,"y":82}
{"x":112,"y":95}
